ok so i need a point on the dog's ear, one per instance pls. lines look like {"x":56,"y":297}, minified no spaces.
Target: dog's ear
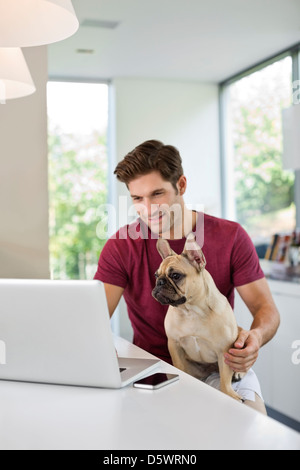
{"x":193,"y":253}
{"x":164,"y":248}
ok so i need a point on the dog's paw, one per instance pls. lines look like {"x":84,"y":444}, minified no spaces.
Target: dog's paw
{"x":237,"y":376}
{"x":236,"y":396}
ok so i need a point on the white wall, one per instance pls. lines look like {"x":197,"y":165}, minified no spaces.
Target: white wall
{"x":184,"y":114}
{"x":23,"y":178}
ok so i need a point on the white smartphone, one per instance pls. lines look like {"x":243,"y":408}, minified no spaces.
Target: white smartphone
{"x":155,"y":381}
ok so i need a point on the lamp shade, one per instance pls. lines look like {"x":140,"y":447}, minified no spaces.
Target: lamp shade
{"x":291,"y":137}
{"x":15,"y":78}
{"x":26,"y":23}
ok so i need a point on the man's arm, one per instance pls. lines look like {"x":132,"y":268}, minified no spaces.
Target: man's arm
{"x":258,"y":298}
{"x":113,"y":296}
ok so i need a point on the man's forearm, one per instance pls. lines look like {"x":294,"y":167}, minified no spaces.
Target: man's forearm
{"x":266,"y":322}
{"x":266,"y":319}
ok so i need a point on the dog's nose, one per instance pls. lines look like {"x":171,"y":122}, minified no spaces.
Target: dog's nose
{"x":161,"y":282}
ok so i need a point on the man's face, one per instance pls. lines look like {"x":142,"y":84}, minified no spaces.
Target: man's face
{"x":157,"y":202}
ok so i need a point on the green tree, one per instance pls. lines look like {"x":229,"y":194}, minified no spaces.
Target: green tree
{"x":262,"y":187}
{"x":77,"y":187}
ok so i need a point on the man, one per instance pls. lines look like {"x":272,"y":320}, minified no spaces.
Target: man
{"x":154,"y":177}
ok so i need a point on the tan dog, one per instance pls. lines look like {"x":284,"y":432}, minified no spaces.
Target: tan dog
{"x":200,"y":324}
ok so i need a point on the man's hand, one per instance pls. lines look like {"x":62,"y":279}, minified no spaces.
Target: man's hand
{"x":245,"y":352}
{"x":258,"y":298}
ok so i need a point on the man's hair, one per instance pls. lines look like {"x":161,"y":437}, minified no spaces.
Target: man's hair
{"x":150,"y":156}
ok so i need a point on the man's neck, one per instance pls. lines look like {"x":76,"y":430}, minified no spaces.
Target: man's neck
{"x":187,"y":225}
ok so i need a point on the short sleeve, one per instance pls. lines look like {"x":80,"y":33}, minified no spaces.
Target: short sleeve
{"x":245,"y":266}
{"x":111,"y":265}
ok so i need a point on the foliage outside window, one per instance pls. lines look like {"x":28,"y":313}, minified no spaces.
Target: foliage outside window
{"x":77,"y":177}
{"x":263,"y":192}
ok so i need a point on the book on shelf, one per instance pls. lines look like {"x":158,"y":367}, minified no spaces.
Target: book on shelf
{"x":278,"y":248}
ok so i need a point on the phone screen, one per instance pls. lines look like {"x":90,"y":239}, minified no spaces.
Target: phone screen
{"x":156,"y":381}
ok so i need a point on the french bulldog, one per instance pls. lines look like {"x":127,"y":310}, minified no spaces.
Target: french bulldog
{"x":200,"y":324}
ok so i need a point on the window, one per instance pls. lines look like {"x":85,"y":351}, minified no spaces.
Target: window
{"x":78,"y":167}
{"x":259,"y":193}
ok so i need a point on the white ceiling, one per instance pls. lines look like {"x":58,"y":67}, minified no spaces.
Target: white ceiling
{"x":206,"y":40}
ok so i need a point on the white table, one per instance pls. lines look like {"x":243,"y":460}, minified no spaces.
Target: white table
{"x":186,"y":415}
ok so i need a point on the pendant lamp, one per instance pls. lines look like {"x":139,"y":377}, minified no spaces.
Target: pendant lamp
{"x":15,"y":78}
{"x":26,"y":23}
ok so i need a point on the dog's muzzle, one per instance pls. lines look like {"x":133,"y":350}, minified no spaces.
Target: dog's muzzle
{"x":160,"y":292}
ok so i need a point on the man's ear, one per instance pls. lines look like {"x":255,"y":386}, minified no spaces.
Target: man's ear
{"x":181,"y":185}
{"x":193,"y":253}
{"x":164,"y":248}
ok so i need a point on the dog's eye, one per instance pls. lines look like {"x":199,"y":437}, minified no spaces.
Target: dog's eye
{"x":156,"y":275}
{"x":176,"y":276}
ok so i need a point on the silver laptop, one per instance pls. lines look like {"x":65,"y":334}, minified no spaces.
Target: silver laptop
{"x":59,"y":332}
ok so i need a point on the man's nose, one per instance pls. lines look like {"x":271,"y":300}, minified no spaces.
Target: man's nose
{"x":148,"y":206}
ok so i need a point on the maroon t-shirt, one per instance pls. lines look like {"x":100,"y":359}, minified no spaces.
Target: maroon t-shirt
{"x":130,"y":259}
